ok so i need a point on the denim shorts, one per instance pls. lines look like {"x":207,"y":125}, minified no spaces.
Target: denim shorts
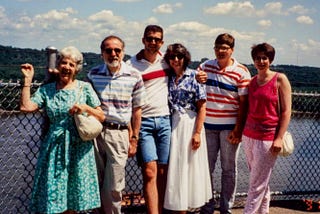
{"x":154,"y":140}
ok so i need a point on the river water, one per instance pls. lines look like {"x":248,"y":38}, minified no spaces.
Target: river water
{"x":20,"y":139}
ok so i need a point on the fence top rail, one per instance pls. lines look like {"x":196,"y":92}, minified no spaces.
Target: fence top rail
{"x":18,"y":83}
{"x":309,"y":94}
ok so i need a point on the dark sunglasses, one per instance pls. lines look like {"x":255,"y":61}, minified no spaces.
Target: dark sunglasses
{"x":109,"y":50}
{"x":173,"y":56}
{"x":150,"y":39}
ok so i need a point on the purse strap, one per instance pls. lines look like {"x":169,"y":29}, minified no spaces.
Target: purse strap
{"x":278,"y":95}
{"x":79,"y":93}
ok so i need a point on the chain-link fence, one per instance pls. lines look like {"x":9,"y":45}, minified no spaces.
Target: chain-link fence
{"x":294,"y":177}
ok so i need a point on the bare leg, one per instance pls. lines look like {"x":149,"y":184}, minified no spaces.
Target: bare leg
{"x":149,"y":171}
{"x":161,"y":184}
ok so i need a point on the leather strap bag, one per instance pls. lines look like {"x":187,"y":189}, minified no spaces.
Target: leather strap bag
{"x":287,"y":145}
{"x":89,"y":127}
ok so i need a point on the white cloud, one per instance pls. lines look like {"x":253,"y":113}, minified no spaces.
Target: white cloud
{"x":310,"y":45}
{"x":245,"y":9}
{"x":236,"y":8}
{"x":4,"y":21}
{"x":264,"y":23}
{"x":2,"y":12}
{"x":304,"y":20}
{"x":166,"y":8}
{"x":62,"y":27}
{"x":270,"y":8}
{"x":314,"y":44}
{"x":298,"y":9}
{"x":152,"y":20}
{"x":56,"y":15}
{"x":305,"y":50}
{"x":101,"y":16}
{"x":178,"y":5}
{"x":273,"y":8}
{"x":189,"y":27}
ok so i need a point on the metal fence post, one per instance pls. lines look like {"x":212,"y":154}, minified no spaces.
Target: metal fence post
{"x":51,"y":62}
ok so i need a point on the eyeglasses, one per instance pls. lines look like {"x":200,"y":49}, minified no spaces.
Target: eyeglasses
{"x":221,"y":48}
{"x":174,"y":56}
{"x":110,"y":50}
{"x":150,"y":39}
{"x":263,"y":58}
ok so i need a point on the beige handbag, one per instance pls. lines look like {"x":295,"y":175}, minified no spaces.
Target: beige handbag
{"x":287,"y":145}
{"x":88,"y":126}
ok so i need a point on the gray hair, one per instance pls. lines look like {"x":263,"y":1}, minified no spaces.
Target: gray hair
{"x":72,"y":53}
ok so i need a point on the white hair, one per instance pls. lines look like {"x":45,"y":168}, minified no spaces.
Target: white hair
{"x":74,"y":54}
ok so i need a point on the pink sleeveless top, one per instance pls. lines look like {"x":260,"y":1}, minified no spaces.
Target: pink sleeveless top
{"x":263,"y":119}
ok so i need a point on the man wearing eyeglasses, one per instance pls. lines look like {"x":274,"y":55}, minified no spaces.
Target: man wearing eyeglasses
{"x":121,"y":91}
{"x":227,"y":89}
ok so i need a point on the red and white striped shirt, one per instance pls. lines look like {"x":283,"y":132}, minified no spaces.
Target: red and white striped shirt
{"x":155,"y":80}
{"x":224,"y":87}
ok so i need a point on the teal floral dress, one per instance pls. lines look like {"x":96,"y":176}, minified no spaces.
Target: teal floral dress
{"x":66,"y":174}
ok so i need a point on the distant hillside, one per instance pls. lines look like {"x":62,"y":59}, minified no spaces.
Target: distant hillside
{"x":301,"y":77}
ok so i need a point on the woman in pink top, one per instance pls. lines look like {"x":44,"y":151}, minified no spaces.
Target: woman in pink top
{"x":265,"y":126}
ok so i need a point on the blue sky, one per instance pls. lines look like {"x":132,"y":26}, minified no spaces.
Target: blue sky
{"x":292,"y":27}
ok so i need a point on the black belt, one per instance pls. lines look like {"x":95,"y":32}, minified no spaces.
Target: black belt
{"x":114,"y":125}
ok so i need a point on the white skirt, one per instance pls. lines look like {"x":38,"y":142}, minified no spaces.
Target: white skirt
{"x":188,"y":182}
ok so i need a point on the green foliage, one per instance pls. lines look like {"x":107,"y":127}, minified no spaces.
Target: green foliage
{"x":11,"y":59}
{"x":302,"y":78}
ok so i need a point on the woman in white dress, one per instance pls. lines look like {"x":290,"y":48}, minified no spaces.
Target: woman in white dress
{"x":188,"y":183}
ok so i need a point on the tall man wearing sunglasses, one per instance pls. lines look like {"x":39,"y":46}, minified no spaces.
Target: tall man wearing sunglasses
{"x":155,"y":133}
{"x":121,"y":91}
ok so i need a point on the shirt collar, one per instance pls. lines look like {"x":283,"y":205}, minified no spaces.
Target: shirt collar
{"x":140,"y":56}
{"x":187,"y":72}
{"x":123,"y":70}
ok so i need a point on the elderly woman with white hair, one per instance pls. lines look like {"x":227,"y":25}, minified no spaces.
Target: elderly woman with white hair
{"x":65,"y":179}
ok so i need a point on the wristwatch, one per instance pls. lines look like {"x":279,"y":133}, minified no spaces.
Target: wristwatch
{"x":134,"y":137}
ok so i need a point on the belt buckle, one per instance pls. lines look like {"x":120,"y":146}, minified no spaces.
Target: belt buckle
{"x":118,"y":126}
{"x":115,"y":125}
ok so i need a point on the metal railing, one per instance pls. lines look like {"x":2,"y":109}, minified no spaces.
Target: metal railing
{"x":294,"y":177}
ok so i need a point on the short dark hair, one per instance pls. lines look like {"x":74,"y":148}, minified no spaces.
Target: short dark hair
{"x":152,"y":28}
{"x":265,"y":48}
{"x":111,"y":37}
{"x":178,"y":48}
{"x":225,"y":38}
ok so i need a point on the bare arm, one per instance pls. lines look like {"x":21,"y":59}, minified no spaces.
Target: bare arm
{"x":201,"y":76}
{"x":81,"y":108}
{"x":135,"y":128}
{"x":201,"y":114}
{"x":26,"y":104}
{"x":235,"y":135}
{"x":284,"y":89}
